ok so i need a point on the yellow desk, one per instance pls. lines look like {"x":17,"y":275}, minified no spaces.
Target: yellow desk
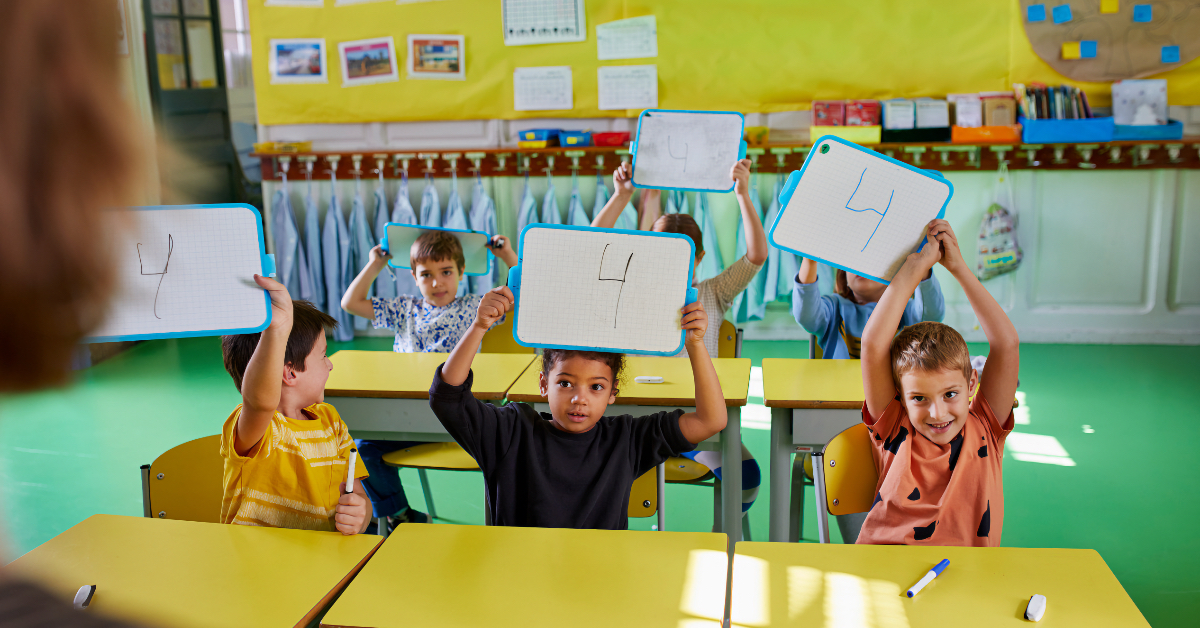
{"x":162,"y":572}
{"x":467,"y":576}
{"x":787,"y":584}
{"x":678,"y":390}
{"x":811,"y":401}
{"x":385,"y":395}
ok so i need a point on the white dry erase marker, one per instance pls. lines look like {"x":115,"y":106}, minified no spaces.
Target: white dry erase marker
{"x":350,"y":470}
{"x":648,"y":379}
{"x":1036,"y":608}
{"x":84,"y":596}
{"x":933,"y":573}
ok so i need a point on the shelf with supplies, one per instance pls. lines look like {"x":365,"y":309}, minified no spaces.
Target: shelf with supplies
{"x":563,"y":161}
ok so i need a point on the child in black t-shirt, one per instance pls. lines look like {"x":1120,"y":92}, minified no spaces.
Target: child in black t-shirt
{"x":572,"y":468}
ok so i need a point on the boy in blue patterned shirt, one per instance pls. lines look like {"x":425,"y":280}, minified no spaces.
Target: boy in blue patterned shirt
{"x":433,"y":322}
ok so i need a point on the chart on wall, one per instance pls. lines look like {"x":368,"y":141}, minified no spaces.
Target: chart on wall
{"x":528,"y":22}
{"x":1112,"y":40}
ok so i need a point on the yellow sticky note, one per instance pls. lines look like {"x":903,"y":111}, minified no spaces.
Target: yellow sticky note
{"x":1070,"y":50}
{"x":1110,"y":6}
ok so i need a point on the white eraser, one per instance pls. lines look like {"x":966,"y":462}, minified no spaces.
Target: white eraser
{"x":648,"y":379}
{"x":83,"y":597}
{"x":1036,"y":608}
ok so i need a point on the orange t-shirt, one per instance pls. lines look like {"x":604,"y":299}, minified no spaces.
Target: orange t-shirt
{"x":930,"y":494}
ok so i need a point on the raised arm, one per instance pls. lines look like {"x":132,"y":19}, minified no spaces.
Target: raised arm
{"x":622,"y":192}
{"x":355,"y":300}
{"x":710,"y":416}
{"x":651,"y":209}
{"x":502,"y":248}
{"x":808,"y":308}
{"x":492,"y":308}
{"x":756,"y":239}
{"x":262,"y":383}
{"x":808,"y":271}
{"x":999,"y":383}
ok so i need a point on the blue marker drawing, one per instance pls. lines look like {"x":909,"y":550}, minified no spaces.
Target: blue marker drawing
{"x":882,"y":214}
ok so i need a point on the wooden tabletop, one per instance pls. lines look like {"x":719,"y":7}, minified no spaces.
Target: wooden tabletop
{"x":444,"y":575}
{"x":391,"y":375}
{"x":677,"y":389}
{"x":789,"y":383}
{"x":809,"y":584}
{"x":162,"y":572}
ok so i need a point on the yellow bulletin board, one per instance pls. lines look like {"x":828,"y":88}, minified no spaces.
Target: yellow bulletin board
{"x":761,"y":56}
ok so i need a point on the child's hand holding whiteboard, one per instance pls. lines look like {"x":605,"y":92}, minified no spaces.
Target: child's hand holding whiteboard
{"x":602,"y":289}
{"x":687,"y":150}
{"x":858,"y":210}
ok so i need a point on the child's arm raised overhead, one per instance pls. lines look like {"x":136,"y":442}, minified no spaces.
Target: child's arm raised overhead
{"x":492,"y":308}
{"x":651,"y":209}
{"x":710,"y":416}
{"x":756,"y":239}
{"x":622,"y":192}
{"x":999,"y":384}
{"x":502,"y":248}
{"x":356,"y":300}
{"x":262,"y":383}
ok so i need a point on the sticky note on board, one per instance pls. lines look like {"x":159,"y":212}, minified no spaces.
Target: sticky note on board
{"x":1070,"y":50}
{"x":1036,"y":13}
{"x":1062,"y":13}
{"x":1170,"y":54}
{"x":1110,"y":6}
{"x":856,"y":209}
{"x":1143,"y":12}
{"x":398,"y":239}
{"x":1087,"y":49}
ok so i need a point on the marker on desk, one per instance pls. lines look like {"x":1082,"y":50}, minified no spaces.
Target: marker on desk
{"x":350,"y":470}
{"x":83,"y":597}
{"x":933,"y":573}
{"x":647,"y":379}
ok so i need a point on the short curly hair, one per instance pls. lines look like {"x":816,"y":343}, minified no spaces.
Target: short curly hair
{"x":929,"y":346}
{"x":614,"y":361}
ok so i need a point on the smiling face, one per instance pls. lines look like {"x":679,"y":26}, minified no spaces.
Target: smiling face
{"x":579,"y":390}
{"x":937,"y":401}
{"x":438,"y":280}
{"x":309,"y":385}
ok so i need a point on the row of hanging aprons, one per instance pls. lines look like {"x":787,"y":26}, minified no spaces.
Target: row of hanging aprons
{"x":320,"y":266}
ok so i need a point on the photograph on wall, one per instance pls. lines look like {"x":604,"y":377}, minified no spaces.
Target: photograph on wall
{"x":298,"y":61}
{"x":368,"y":61}
{"x":436,"y":57}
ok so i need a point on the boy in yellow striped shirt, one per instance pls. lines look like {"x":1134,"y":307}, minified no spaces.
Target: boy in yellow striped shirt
{"x":285,"y":449}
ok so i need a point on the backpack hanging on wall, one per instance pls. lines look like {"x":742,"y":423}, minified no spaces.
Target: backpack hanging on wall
{"x":999,"y":252}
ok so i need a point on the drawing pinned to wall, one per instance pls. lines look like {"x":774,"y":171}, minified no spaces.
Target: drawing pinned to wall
{"x":298,"y":61}
{"x":368,"y":61}
{"x":687,"y":150}
{"x":627,"y":86}
{"x":546,"y":88}
{"x":437,"y":57}
{"x":633,"y":38}
{"x":528,"y":22}
{"x":1107,"y":40}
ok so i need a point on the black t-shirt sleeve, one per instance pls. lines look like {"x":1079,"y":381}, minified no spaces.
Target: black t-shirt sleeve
{"x":655,"y":438}
{"x":484,"y":431}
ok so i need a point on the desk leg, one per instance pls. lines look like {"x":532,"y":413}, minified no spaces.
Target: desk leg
{"x":660,"y":473}
{"x":731,"y":471}
{"x":781,"y":452}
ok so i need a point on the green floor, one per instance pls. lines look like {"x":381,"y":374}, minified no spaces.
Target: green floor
{"x":1116,"y":475}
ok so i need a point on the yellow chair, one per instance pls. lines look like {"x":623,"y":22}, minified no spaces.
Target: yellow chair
{"x":499,"y":339}
{"x":844,"y":477}
{"x":643,"y":496}
{"x":185,"y":482}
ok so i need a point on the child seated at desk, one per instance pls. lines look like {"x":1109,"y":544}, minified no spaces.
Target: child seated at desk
{"x":574,"y":467}
{"x":285,"y":449}
{"x":938,"y":453}
{"x":433,"y":322}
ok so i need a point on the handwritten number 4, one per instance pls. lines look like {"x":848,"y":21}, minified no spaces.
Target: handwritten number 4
{"x":868,"y":209}
{"x":162,"y":275}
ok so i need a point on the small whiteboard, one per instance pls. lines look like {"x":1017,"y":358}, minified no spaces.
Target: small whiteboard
{"x":856,"y":209}
{"x":602,"y":289}
{"x":186,"y":270}
{"x":399,"y":237}
{"x":687,"y":150}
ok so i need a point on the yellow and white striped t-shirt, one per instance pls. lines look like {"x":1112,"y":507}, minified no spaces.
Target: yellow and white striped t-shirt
{"x":291,"y":478}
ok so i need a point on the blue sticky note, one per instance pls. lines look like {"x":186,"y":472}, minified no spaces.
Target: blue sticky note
{"x":1036,"y":13}
{"x":1087,"y":49}
{"x":1143,"y":12}
{"x":1170,"y":54}
{"x":1062,"y":13}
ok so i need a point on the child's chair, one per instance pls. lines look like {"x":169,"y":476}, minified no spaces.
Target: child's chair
{"x":447,"y":456}
{"x":643,"y":496}
{"x":185,"y":482}
{"x":844,"y":477}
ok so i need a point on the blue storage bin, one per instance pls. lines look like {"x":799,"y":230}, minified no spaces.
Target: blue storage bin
{"x":1066,"y":131}
{"x":1172,"y":130}
{"x":538,"y":135}
{"x":575,"y":138}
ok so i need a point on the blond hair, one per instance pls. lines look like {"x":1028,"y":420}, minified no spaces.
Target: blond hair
{"x":929,"y":346}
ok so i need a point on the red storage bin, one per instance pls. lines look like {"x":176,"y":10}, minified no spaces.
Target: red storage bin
{"x":610,"y":139}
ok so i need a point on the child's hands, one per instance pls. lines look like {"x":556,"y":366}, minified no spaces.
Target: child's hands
{"x":281,"y":303}
{"x":952,"y":257}
{"x":623,"y":179}
{"x":379,"y":257}
{"x":502,"y":248}
{"x":695,"y":320}
{"x":351,"y":512}
{"x":740,"y":173}
{"x":495,"y":304}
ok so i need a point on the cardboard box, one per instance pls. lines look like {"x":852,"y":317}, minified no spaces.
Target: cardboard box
{"x":932,"y":113}
{"x":967,"y":110}
{"x":862,"y":113}
{"x":899,"y":113}
{"x":999,"y":111}
{"x":828,"y":113}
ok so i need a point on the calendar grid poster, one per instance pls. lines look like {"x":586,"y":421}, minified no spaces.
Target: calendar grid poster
{"x":528,"y":22}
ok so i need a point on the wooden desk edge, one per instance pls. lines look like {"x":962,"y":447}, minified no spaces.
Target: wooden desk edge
{"x":635,"y":401}
{"x":327,"y":602}
{"x":813,"y":405}
{"x":403,"y":394}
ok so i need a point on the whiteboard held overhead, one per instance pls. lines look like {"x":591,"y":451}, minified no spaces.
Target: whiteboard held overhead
{"x":398,"y":239}
{"x":856,"y":209}
{"x":687,"y":150}
{"x":602,"y":289}
{"x":186,"y":270}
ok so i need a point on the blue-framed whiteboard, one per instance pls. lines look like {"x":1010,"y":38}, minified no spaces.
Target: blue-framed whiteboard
{"x":186,"y":270}
{"x":687,"y":150}
{"x":400,"y":236}
{"x":595,"y":289}
{"x":856,"y":209}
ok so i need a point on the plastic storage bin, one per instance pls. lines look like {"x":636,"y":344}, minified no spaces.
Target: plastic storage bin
{"x":1065,"y":131}
{"x":1172,"y":130}
{"x":537,"y":138}
{"x":985,"y":134}
{"x":610,"y":139}
{"x":575,"y":138}
{"x":933,"y":134}
{"x":858,"y":134}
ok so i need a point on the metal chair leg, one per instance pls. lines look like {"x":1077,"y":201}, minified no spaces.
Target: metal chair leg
{"x":818,"y":460}
{"x":746,"y":526}
{"x":487,"y":511}
{"x":796,"y":512}
{"x":381,"y":526}
{"x":147,"y":511}
{"x":717,"y":527}
{"x":660,"y":473}
{"x":428,"y":494}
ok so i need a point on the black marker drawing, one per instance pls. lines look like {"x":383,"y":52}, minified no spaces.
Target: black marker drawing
{"x":611,"y":267}
{"x":882,"y":214}
{"x":673,"y":155}
{"x":162,"y":275}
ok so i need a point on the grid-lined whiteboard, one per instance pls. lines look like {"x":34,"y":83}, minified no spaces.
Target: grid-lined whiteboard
{"x":858,"y":210}
{"x":186,"y":271}
{"x":602,"y":289}
{"x":687,"y":150}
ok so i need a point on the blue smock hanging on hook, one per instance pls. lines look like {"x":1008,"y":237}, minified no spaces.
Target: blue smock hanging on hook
{"x":360,"y":244}
{"x":335,"y":247}
{"x":576,"y":214}
{"x":456,"y":218}
{"x":550,"y":214}
{"x":290,"y":258}
{"x":711,"y":265}
{"x":431,"y":205}
{"x":312,"y":244}
{"x":385,"y":284}
{"x":749,"y":304}
{"x":483,"y":218}
{"x":528,"y":214}
{"x":402,"y":212}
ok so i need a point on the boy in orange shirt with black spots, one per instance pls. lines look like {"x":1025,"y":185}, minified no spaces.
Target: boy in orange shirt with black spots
{"x":937,"y":452}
